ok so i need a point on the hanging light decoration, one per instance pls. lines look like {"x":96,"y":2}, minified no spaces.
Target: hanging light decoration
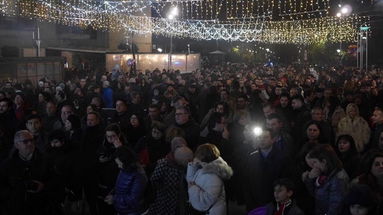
{"x":289,"y":21}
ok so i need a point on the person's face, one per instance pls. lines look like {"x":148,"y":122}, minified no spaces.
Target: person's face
{"x":267,"y":111}
{"x":265,"y":140}
{"x":121,"y":107}
{"x":377,"y":167}
{"x":41,"y":98}
{"x":33,"y":125}
{"x":181,"y":103}
{"x":3,"y":107}
{"x":358,"y":210}
{"x":19,"y":100}
{"x":352,"y":113}
{"x":154,"y":113}
{"x":317,"y":115}
{"x":181,"y":116}
{"x":296,"y":104}
{"x":50,"y":109}
{"x":274,"y":124}
{"x":284,"y":101}
{"x":92,"y":120}
{"x":56,"y":143}
{"x":119,"y":163}
{"x":343,"y":145}
{"x":96,"y":102}
{"x":377,"y":116}
{"x":313,"y":132}
{"x":219,"y":109}
{"x":293,"y":92}
{"x":156,"y":134}
{"x":241,"y":103}
{"x":82,"y":83}
{"x":134,"y":121}
{"x":281,"y":194}
{"x":111,"y":136}
{"x":224,"y":96}
{"x":68,"y":125}
{"x":65,"y":112}
{"x":25,"y":145}
{"x":317,"y":164}
{"x":278,"y":91}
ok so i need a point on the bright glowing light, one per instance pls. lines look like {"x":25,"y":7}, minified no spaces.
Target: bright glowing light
{"x":338,"y":14}
{"x":345,"y":10}
{"x":338,"y":50}
{"x":159,"y":50}
{"x":173,"y":13}
{"x":257,"y":131}
{"x":267,"y":50}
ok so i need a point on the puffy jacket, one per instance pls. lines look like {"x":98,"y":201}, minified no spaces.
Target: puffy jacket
{"x":129,"y":191}
{"x":329,"y":195}
{"x":208,"y":193}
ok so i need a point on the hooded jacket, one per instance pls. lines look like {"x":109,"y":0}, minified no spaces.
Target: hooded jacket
{"x":208,"y":193}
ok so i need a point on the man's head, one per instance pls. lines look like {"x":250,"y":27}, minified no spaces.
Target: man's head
{"x":284,"y":100}
{"x":34,"y":124}
{"x":297,"y":102}
{"x":265,"y":140}
{"x":154,"y":111}
{"x":24,"y":143}
{"x":66,"y":110}
{"x":241,"y":102}
{"x":274,"y":123}
{"x":121,"y":106}
{"x":5,"y":105}
{"x":268,"y":109}
{"x":317,"y":114}
{"x":93,"y":119}
{"x":180,"y":101}
{"x":182,"y":115}
{"x":377,"y":116}
{"x":283,"y":190}
{"x":183,"y":155}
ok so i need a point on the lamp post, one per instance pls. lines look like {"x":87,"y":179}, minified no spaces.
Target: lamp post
{"x":171,"y":16}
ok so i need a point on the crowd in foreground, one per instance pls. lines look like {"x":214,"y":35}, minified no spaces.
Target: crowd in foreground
{"x":281,"y":140}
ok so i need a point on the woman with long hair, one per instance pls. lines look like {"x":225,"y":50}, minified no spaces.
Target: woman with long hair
{"x":346,"y":150}
{"x":327,"y":180}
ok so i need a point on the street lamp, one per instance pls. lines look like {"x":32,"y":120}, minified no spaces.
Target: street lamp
{"x":171,"y":16}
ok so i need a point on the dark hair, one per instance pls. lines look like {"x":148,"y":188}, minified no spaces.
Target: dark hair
{"x":321,"y":138}
{"x":75,"y":121}
{"x":32,"y":116}
{"x":285,"y":95}
{"x":298,"y":97}
{"x":56,"y":135}
{"x":113,"y":127}
{"x":368,"y":160}
{"x":327,"y":153}
{"x":285,"y":182}
{"x":154,"y":106}
{"x":207,"y":152}
{"x":128,"y":158}
{"x":349,"y":139}
{"x":361,"y":194}
{"x":225,"y":107}
{"x":275,"y":116}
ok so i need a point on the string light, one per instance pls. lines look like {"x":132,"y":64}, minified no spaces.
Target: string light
{"x":244,"y":20}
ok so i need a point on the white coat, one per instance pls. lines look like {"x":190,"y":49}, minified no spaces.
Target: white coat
{"x":208,"y":192}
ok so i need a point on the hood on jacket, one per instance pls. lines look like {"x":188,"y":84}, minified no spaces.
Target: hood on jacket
{"x":218,"y":167}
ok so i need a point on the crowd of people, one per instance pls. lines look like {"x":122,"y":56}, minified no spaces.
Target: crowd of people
{"x":279,"y":140}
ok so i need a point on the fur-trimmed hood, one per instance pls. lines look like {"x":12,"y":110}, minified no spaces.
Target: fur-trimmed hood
{"x":218,"y":167}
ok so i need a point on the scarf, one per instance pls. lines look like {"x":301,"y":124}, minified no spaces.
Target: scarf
{"x":281,"y":207}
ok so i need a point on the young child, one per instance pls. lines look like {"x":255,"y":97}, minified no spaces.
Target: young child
{"x":284,"y":204}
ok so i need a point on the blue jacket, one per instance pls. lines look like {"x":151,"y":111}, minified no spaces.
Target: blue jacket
{"x":107,"y":96}
{"x":329,"y":195}
{"x":129,"y":192}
